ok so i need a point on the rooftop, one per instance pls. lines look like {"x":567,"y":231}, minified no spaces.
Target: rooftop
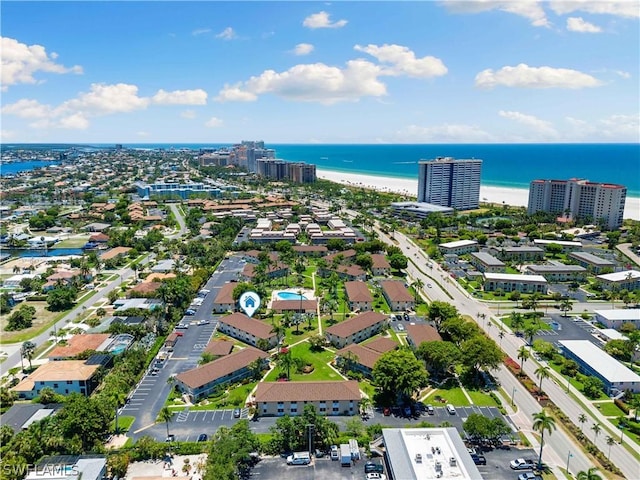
{"x":254,"y":327}
{"x":225,"y":295}
{"x":620,"y":314}
{"x":600,"y":361}
{"x":422,"y":333}
{"x":396,"y":291}
{"x":78,"y":344}
{"x":564,"y":243}
{"x":514,"y":277}
{"x":620,"y":276}
{"x":307,"y":391}
{"x":356,"y":324}
{"x":487,"y":259}
{"x":58,"y":372}
{"x":591,"y":258}
{"x":357,"y":291}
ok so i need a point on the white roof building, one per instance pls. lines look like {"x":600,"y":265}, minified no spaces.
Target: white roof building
{"x":616,"y":318}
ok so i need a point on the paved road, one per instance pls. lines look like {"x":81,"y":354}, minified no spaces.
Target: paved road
{"x":177,"y":213}
{"x":510,"y":344}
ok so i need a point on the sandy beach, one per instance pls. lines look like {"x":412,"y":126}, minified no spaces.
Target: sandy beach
{"x":509,"y":196}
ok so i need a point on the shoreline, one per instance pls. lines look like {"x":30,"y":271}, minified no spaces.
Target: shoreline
{"x":517,"y":197}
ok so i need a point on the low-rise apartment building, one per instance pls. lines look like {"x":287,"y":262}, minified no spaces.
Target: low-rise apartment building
{"x":417,"y":334}
{"x":567,"y":246}
{"x":290,"y":398}
{"x":380,"y":265}
{"x":247,"y":330}
{"x":559,"y":272}
{"x":459,"y":247}
{"x":224,"y":301}
{"x":63,"y":377}
{"x":509,"y":282}
{"x":203,"y":381}
{"x":397,"y":295}
{"x":624,"y":280}
{"x":592,"y":262}
{"x":485,"y":262}
{"x":356,"y":329}
{"x":362,"y":358}
{"x":617,"y":318}
{"x":520,"y":254}
{"x":358,"y":296}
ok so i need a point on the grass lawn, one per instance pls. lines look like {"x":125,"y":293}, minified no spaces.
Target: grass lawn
{"x":321,"y":370}
{"x":481,"y":399}
{"x":575,"y":383}
{"x":454,"y":396}
{"x":124,"y":423}
{"x":42,"y":320}
{"x":75,"y":242}
{"x":609,"y":409}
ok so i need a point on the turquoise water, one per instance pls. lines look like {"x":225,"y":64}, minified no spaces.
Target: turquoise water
{"x":290,"y":296}
{"x":504,"y":165}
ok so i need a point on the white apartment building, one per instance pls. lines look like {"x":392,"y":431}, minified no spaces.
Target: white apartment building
{"x":579,"y":198}
{"x":450,"y":182}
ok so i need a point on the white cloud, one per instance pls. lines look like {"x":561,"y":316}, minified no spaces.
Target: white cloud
{"x":20,"y":62}
{"x":525,"y":76}
{"x":76,"y":121}
{"x":303,"y":49}
{"x":318,"y":82}
{"x":322,"y":20}
{"x":623,"y":74}
{"x":529,"y":9}
{"x":213,"y":122}
{"x":188,"y":114}
{"x":404,"y":62}
{"x":617,"y":126}
{"x":104,"y":99}
{"x":578,"y":24}
{"x":200,"y":31}
{"x":540,"y":126}
{"x":315,"y":82}
{"x":26,"y":108}
{"x":7,"y":135}
{"x":227,"y":34}
{"x":142,"y":133}
{"x":180,"y":97}
{"x":618,"y":8}
{"x":445,"y":133}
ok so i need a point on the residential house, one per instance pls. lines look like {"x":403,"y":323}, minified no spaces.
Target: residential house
{"x":397,"y":295}
{"x":62,"y":377}
{"x":247,"y":330}
{"x":289,"y":398}
{"x":202,"y":381}
{"x":380,"y":266}
{"x":276,"y":270}
{"x":78,"y":344}
{"x":459,"y":247}
{"x":115,"y":253}
{"x":224,"y":301}
{"x":219,"y":348}
{"x":358,"y":296}
{"x":356,"y":329}
{"x":310,"y":250}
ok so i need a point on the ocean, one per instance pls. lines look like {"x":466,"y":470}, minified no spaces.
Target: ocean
{"x":504,"y":165}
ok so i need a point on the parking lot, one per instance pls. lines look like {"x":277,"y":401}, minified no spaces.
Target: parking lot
{"x":568,"y":328}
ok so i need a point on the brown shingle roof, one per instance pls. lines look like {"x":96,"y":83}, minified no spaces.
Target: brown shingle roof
{"x":352,"y":270}
{"x":294,"y":305}
{"x":310,"y":248}
{"x":219,"y":368}
{"x":146,"y":287}
{"x":307,"y":391}
{"x":396,"y":291}
{"x":219,"y":347}
{"x":380,"y":261}
{"x":254,"y":327}
{"x":355,"y":324}
{"x":381,"y":344}
{"x":358,"y":291}
{"x":57,"y":371}
{"x":225,"y":295}
{"x":114,"y":252}
{"x":78,"y":344}
{"x":345,"y":254}
{"x":365,"y":356}
{"x":422,"y":333}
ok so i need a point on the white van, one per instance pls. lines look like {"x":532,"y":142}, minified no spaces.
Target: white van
{"x":299,"y":458}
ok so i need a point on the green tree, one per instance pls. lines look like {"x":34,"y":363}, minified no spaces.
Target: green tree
{"x":399,"y":373}
{"x":117,"y":399}
{"x":554,"y":249}
{"x":166,"y":415}
{"x":592,"y":387}
{"x":27,"y":350}
{"x":582,"y":419}
{"x":61,"y":298}
{"x":398,"y":261}
{"x":480,"y":353}
{"x":440,"y":356}
{"x":566,"y":305}
{"x":542,"y":372}
{"x":543,"y":423}
{"x":441,"y":311}
{"x":591,"y":474}
{"x":610,"y":442}
{"x":517,"y":321}
{"x":523,"y":355}
{"x":596,"y":428}
{"x":21,"y":318}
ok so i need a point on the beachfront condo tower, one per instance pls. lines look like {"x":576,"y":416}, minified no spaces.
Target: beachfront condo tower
{"x":450,"y":182}
{"x":600,"y":202}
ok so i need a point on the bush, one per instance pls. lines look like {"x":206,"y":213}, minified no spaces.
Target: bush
{"x":622,"y":406}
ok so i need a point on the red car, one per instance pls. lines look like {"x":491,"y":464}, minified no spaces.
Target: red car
{"x":386,"y":412}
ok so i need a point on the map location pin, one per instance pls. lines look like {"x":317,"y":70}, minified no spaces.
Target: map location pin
{"x":249,"y":303}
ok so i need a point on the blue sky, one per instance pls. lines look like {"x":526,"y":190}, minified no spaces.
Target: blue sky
{"x":483,"y":71}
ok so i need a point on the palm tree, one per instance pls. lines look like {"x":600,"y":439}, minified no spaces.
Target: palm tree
{"x":610,"y":441}
{"x":591,"y":474}
{"x":543,"y":423}
{"x":530,"y":330}
{"x":166,"y":416}
{"x":582,"y":419}
{"x":28,"y":349}
{"x":523,"y":355}
{"x":117,"y":397}
{"x":501,"y":336}
{"x":565,"y":306}
{"x":417,"y":285}
{"x":542,"y":373}
{"x":517,"y":321}
{"x":596,"y":431}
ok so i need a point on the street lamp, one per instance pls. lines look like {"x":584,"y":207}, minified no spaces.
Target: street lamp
{"x":621,"y":427}
{"x":569,"y":458}
{"x":310,"y":427}
{"x":513,"y":394}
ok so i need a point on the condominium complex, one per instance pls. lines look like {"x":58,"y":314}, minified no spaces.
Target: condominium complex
{"x":275,"y":169}
{"x":579,"y":198}
{"x":450,"y":182}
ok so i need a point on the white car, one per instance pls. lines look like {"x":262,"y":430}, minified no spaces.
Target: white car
{"x":376,"y":476}
{"x":521,"y":464}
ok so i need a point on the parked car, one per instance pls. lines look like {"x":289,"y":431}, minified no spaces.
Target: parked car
{"x":236,"y":413}
{"x":182,"y":326}
{"x":529,"y":476}
{"x":203,"y":437}
{"x":400,"y":327}
{"x":319,"y":453}
{"x":171,"y":438}
{"x":451,"y":409}
{"x":376,"y":476}
{"x":478,"y":459}
{"x":430,"y":410}
{"x":335,"y":453}
{"x":190,"y":311}
{"x":372,"y":467}
{"x":386,"y":411}
{"x":203,"y":322}
{"x":522,"y":464}
{"x":407,"y":411}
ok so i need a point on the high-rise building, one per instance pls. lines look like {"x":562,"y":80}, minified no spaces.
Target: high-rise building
{"x":600,"y":202}
{"x":301,"y":172}
{"x":450,"y":182}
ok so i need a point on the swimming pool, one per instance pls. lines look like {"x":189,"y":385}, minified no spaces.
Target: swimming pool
{"x":290,"y":296}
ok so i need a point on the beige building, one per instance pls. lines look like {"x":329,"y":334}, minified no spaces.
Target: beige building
{"x":364,"y":357}
{"x":63,"y":377}
{"x":224,"y":300}
{"x":356,"y":329}
{"x":380,"y":265}
{"x":359,"y":296}
{"x":459,"y":247}
{"x":290,"y":398}
{"x":520,"y":253}
{"x":397,"y":295}
{"x":202,"y":381}
{"x":509,"y":282}
{"x":559,"y":273}
{"x":247,"y":330}
{"x":417,"y":334}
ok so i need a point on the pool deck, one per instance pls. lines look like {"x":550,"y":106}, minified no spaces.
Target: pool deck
{"x":306,"y":292}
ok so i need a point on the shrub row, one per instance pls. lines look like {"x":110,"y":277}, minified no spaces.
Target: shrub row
{"x":622,"y":406}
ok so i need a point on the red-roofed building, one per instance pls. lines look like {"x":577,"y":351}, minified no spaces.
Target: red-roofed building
{"x":397,"y":295}
{"x":248,"y":330}
{"x":356,"y":329}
